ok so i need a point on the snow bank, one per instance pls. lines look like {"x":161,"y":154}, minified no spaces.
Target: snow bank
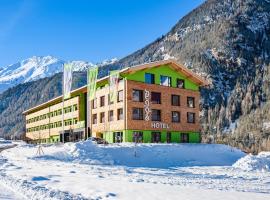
{"x":5,"y":143}
{"x":147,"y":155}
{"x":260,"y":162}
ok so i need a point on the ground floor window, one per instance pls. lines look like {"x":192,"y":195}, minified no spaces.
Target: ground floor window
{"x":156,"y":137}
{"x":184,"y":137}
{"x":137,"y":136}
{"x":169,"y":137}
{"x":118,"y":137}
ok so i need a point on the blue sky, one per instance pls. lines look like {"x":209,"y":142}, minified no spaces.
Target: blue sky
{"x":90,"y":30}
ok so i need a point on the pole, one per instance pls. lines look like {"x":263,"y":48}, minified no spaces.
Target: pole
{"x":109,"y":125}
{"x":63,"y":106}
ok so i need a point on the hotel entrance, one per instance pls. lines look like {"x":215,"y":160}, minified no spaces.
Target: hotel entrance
{"x":118,"y":137}
{"x":72,"y":135}
{"x":184,"y":138}
{"x":156,"y":137}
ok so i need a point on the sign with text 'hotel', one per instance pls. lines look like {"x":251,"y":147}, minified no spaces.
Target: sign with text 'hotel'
{"x":147,"y":112}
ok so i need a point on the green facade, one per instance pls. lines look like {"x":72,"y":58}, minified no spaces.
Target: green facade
{"x":162,"y":70}
{"x":194,"y":137}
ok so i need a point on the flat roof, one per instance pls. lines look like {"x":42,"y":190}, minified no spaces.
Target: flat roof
{"x":178,"y":67}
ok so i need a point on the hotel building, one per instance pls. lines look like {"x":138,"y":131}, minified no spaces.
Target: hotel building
{"x":156,"y":102}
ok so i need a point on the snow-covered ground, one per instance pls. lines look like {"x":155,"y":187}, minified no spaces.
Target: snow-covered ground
{"x":8,"y":194}
{"x":159,"y":171}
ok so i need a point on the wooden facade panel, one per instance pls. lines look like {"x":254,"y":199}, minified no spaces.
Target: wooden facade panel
{"x":112,"y":125}
{"x":165,"y":107}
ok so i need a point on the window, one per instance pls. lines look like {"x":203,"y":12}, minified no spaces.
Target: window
{"x":102,"y":117}
{"x":169,"y":137}
{"x":94,"y":118}
{"x":175,"y":100}
{"x":156,"y":137}
{"x":175,"y":116}
{"x":75,"y":121}
{"x":191,"y":117}
{"x":110,"y":115}
{"x":156,"y":98}
{"x":120,"y":96}
{"x":180,"y":83}
{"x":165,"y":81}
{"x":109,"y":100}
{"x":102,"y":101}
{"x":94,"y":103}
{"x":137,"y":95}
{"x":137,"y":114}
{"x":191,"y":102}
{"x":156,"y":115}
{"x":120,"y":114}
{"x":149,"y":78}
{"x":137,"y":136}
{"x":75,"y":107}
{"x":184,"y":138}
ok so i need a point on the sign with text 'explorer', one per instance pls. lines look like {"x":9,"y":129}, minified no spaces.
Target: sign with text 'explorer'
{"x":147,"y":112}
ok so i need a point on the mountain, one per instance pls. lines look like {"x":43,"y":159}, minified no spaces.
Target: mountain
{"x":38,"y":67}
{"x":227,"y":42}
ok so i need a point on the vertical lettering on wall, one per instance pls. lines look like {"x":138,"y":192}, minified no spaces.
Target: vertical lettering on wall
{"x":147,"y":109}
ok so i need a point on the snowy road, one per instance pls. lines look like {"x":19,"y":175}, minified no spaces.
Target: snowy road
{"x":85,"y":171}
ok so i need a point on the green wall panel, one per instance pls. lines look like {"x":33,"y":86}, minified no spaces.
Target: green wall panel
{"x":194,"y":137}
{"x":175,"y":137}
{"x":164,"y":136}
{"x":147,"y":135}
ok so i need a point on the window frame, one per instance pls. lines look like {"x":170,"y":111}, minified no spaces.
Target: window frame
{"x":140,"y":95}
{"x":183,"y":81}
{"x":179,"y":117}
{"x":152,"y":78}
{"x":94,"y":103}
{"x":118,"y":114}
{"x":172,"y":100}
{"x":194,"y":118}
{"x":102,"y":118}
{"x":122,"y":96}
{"x":140,"y":114}
{"x":94,"y":118}
{"x":169,"y":78}
{"x":110,"y":117}
{"x":156,"y":102}
{"x":152,"y":115}
{"x":102,"y":101}
{"x":193,"y":99}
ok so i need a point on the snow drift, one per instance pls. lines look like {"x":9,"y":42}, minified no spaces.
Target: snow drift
{"x":147,"y":155}
{"x":260,"y":162}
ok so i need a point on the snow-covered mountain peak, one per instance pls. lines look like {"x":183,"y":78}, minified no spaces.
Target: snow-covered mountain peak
{"x":37,"y":67}
{"x":30,"y":69}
